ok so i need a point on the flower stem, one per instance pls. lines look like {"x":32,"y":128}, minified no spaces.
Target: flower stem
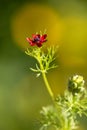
{"x":46,"y":82}
{"x":47,"y":85}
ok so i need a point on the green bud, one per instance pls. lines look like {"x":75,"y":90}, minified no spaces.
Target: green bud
{"x":76,"y":84}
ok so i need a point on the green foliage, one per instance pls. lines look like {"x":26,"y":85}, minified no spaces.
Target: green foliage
{"x":62,"y":114}
{"x":49,"y":117}
{"x":44,"y":57}
{"x":66,"y":108}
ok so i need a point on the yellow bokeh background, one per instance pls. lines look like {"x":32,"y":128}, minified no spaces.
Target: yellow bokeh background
{"x":22,"y":95}
{"x":34,"y":18}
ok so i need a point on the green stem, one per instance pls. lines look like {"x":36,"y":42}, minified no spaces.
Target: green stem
{"x":46,"y":82}
{"x":47,"y":85}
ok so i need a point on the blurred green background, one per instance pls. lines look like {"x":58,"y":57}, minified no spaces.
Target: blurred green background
{"x":22,"y":94}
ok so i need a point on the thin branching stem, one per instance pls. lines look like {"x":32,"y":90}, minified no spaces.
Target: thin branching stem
{"x":46,"y":82}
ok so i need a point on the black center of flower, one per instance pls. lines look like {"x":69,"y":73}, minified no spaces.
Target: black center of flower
{"x":36,"y":39}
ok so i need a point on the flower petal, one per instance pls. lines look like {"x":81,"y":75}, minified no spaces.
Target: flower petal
{"x":43,"y":38}
{"x":37,"y":39}
{"x":39,"y":44}
{"x":36,"y":35}
{"x":30,"y":41}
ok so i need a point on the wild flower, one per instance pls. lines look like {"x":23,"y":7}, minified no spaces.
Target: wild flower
{"x":62,"y":113}
{"x":37,"y":39}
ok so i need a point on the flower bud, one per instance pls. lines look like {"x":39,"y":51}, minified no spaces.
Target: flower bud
{"x":76,"y":84}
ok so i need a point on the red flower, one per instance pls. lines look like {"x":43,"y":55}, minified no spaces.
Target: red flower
{"x":37,"y":39}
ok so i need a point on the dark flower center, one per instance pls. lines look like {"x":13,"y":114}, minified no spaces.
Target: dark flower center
{"x":36,"y":39}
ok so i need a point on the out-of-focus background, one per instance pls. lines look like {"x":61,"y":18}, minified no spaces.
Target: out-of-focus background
{"x":22,"y":94}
